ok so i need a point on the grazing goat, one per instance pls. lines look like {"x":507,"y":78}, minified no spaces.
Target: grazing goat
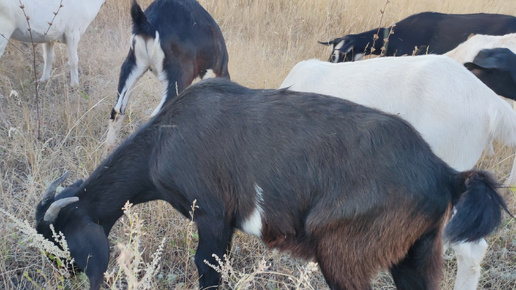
{"x":178,"y":41}
{"x":50,"y":21}
{"x":423,"y":33}
{"x":320,"y":177}
{"x":496,"y":68}
{"x":491,"y":58}
{"x":453,"y":111}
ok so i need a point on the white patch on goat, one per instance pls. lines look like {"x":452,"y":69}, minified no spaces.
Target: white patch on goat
{"x":131,"y":42}
{"x":336,"y":54}
{"x":358,"y":56}
{"x":336,"y":51}
{"x":339,"y":45}
{"x":208,"y":75}
{"x":253,"y":223}
{"x":148,"y":55}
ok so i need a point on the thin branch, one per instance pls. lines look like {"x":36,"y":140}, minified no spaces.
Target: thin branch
{"x":36,"y":82}
{"x":376,"y":36}
{"x":53,"y":18}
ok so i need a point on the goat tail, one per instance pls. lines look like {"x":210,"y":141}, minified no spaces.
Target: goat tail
{"x":141,"y":25}
{"x":477,"y":207}
{"x":136,"y":11}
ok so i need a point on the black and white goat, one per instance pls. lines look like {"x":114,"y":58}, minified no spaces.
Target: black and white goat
{"x":321,"y":177}
{"x":50,"y":21}
{"x":453,"y":110}
{"x":178,"y":41}
{"x":423,"y":33}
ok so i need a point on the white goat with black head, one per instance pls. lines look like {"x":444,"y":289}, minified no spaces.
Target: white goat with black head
{"x":492,"y":59}
{"x":454,"y":111}
{"x":50,"y":21}
{"x":467,"y":50}
{"x":320,"y":177}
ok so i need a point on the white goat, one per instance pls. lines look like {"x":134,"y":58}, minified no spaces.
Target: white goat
{"x":72,"y":17}
{"x":467,"y":50}
{"x":453,"y":110}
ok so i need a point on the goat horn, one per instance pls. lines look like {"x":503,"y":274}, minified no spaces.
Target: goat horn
{"x":56,"y":206}
{"x":51,"y":190}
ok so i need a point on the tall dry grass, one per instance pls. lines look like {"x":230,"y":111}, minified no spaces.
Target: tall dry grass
{"x":265,"y":39}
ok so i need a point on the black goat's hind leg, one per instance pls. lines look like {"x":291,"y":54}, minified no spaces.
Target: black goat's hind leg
{"x":214,"y":239}
{"x":421,"y":268}
{"x":341,"y":266}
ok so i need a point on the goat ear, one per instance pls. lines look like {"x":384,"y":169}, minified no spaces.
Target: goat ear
{"x":490,"y":59}
{"x":89,"y":246}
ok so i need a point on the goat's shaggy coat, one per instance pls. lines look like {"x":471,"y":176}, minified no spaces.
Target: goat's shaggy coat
{"x":323,"y":178}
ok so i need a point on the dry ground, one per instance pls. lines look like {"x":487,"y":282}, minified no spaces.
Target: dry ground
{"x":265,"y":39}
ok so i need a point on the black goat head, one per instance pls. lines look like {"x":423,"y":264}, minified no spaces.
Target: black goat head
{"x":86,"y":239}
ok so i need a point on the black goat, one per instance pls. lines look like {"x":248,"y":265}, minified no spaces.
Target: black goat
{"x":427,"y":32}
{"x":178,"y":41}
{"x":496,"y":68}
{"x":321,"y":177}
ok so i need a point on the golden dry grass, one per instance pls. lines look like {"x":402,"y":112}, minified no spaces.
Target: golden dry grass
{"x":265,"y":39}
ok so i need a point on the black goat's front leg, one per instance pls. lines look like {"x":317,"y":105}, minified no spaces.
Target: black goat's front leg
{"x":214,"y":239}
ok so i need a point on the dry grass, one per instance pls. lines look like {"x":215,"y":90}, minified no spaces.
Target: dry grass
{"x":265,"y":39}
